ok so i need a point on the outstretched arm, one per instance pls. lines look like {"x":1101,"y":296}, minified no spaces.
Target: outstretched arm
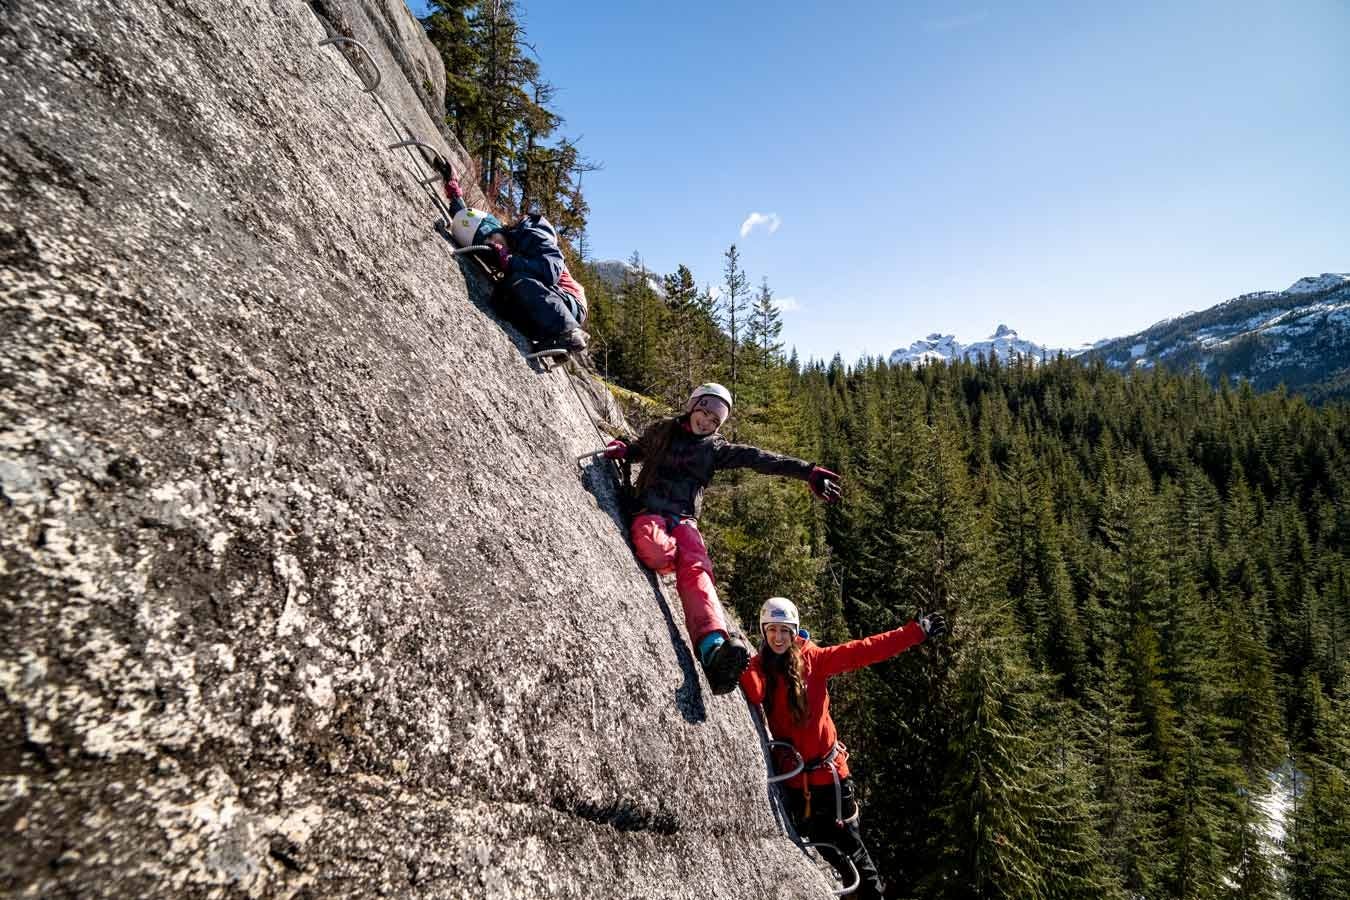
{"x":867,"y":651}
{"x":823,"y":483}
{"x":632,"y":449}
{"x":744,"y":456}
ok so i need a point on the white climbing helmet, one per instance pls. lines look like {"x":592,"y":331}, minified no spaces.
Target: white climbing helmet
{"x":711,"y":389}
{"x":779,"y":611}
{"x":467,"y":222}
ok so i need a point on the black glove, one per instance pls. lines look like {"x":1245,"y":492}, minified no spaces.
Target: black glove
{"x":934,"y":625}
{"x":824,"y":484}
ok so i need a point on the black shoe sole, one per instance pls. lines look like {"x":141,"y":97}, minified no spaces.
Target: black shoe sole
{"x":725,"y":668}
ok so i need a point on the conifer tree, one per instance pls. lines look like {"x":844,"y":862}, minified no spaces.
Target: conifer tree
{"x":1126,"y":794}
{"x":447,"y":27}
{"x":735,"y":301}
{"x":643,"y":325}
{"x":985,"y":836}
{"x":765,"y":327}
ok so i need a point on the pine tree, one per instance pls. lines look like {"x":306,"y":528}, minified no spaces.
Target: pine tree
{"x":765,"y":327}
{"x":447,"y":27}
{"x":643,"y":324}
{"x":735,"y":302}
{"x":985,"y":834}
{"x":1127,"y":796}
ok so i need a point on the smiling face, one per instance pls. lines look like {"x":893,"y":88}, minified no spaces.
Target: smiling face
{"x":707,"y":416}
{"x":779,"y":637}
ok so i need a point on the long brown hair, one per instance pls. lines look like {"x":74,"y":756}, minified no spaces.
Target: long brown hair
{"x":655,"y":443}
{"x":787,"y":666}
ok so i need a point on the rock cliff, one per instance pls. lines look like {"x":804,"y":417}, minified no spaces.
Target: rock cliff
{"x":303,"y":591}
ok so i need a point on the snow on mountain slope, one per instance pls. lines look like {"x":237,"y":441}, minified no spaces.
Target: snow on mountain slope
{"x":1003,"y":343}
{"x":1299,"y":337}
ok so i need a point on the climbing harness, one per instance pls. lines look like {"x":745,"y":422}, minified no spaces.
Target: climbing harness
{"x":826,"y":761}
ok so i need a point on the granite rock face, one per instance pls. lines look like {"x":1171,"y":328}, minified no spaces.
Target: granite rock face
{"x":303,"y":591}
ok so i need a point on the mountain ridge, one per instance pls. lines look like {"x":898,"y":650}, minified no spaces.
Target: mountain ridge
{"x":1299,"y":337}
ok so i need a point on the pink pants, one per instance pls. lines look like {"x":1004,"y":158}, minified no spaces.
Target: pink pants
{"x":681,"y":550}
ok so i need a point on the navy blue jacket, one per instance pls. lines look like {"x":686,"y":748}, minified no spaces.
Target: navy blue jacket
{"x":676,"y":488}
{"x":534,"y":250}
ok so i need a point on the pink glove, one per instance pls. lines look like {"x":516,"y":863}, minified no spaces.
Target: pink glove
{"x":616,"y":449}
{"x":503,"y":257}
{"x":452,"y":190}
{"x":824,"y":484}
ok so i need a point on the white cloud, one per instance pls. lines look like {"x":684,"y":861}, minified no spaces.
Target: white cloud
{"x":770,"y":220}
{"x":787,"y":304}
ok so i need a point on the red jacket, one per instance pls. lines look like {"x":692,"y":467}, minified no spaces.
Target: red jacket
{"x":815,"y":734}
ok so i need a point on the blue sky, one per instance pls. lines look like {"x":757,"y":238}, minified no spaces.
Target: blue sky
{"x":1077,"y":171}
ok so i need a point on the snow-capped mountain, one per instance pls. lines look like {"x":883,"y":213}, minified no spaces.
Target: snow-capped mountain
{"x":1003,"y":343}
{"x":616,"y":273}
{"x":1299,"y":337}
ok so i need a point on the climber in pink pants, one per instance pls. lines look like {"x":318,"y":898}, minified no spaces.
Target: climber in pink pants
{"x":680,"y":549}
{"x":679,"y":457}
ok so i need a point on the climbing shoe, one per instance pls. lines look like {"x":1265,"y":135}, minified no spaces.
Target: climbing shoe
{"x":573,"y":341}
{"x":724,"y":663}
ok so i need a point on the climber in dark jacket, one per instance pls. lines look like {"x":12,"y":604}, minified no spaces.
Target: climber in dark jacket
{"x":544,"y":299}
{"x":679,"y":457}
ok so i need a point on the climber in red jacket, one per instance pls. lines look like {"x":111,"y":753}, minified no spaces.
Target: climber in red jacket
{"x":679,"y":457}
{"x":789,"y":677}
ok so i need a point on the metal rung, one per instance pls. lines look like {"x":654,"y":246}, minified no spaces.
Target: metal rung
{"x":857,"y":878}
{"x":369,"y":88}
{"x":801,"y":763}
{"x":412,"y":143}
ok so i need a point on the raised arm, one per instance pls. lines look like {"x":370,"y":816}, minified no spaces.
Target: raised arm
{"x":743,"y":456}
{"x":867,"y":651}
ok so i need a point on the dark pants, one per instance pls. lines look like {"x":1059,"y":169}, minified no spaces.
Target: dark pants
{"x":821,"y":827}
{"x":538,"y":310}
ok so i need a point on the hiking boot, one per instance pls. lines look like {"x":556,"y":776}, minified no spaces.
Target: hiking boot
{"x":725,"y":663}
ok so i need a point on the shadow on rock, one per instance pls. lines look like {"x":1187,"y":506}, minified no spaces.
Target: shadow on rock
{"x":600,"y":481}
{"x":689,"y":695}
{"x":486,"y":295}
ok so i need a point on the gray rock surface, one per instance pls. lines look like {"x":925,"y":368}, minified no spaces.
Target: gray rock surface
{"x":303,"y":592}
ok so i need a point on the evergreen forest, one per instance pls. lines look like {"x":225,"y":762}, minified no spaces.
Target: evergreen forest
{"x":1147,"y":576}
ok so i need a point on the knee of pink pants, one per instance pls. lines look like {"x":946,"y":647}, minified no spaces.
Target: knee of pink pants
{"x":694,"y":582}
{"x":653,"y":543}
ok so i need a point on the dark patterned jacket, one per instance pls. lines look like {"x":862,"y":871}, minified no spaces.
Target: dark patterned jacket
{"x":676,"y":488}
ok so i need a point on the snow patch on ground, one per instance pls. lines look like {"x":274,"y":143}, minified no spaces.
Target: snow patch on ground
{"x":1285,"y":786}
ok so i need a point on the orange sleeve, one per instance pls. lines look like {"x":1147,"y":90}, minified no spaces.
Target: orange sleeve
{"x":752,"y":681}
{"x":866,"y":651}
